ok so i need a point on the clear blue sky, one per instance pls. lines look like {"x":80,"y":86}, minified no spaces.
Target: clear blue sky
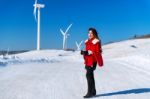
{"x":114,"y":20}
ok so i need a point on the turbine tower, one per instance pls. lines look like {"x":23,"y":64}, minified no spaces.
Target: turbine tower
{"x":65,"y":36}
{"x":38,"y":6}
{"x":79,"y":45}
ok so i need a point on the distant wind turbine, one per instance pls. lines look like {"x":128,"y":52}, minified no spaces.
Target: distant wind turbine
{"x":65,"y":36}
{"x":79,"y":45}
{"x":7,"y":53}
{"x":38,"y":6}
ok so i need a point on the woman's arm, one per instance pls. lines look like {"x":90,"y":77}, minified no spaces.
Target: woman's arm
{"x":98,"y":49}
{"x":97,"y":53}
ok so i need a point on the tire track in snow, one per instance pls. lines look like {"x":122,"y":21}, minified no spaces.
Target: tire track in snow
{"x":131,"y":66}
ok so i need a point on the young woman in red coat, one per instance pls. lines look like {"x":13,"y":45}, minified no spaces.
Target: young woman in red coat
{"x":92,"y":56}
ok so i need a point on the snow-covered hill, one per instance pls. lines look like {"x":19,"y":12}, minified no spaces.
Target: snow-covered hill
{"x":58,"y":74}
{"x":44,"y":56}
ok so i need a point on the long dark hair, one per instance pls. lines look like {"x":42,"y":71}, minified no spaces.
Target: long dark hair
{"x":94,"y":32}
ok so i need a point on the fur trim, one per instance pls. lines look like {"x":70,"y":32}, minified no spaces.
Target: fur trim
{"x":95,"y":41}
{"x":86,"y":41}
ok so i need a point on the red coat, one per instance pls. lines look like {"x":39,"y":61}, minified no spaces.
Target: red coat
{"x":94,"y":46}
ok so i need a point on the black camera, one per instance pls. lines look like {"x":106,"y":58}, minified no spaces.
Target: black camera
{"x":84,"y":52}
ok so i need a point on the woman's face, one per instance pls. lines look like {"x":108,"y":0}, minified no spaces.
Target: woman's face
{"x":90,"y":35}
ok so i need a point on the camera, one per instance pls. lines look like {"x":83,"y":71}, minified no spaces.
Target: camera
{"x":84,"y":52}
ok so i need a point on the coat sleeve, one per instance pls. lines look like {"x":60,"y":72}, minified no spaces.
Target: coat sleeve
{"x":97,"y":54}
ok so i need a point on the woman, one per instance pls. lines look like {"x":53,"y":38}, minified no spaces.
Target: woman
{"x":92,"y":56}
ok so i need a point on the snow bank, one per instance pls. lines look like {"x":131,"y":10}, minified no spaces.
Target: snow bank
{"x":43,"y":56}
{"x":127,"y":48}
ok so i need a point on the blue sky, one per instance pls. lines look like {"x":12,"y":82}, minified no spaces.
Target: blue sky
{"x":114,"y":19}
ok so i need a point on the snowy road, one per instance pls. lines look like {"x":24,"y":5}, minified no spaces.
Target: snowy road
{"x":52,"y":81}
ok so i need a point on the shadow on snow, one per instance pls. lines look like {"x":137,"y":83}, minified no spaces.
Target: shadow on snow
{"x":124,"y":92}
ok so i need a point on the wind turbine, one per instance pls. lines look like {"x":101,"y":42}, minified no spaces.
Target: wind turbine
{"x":79,"y":45}
{"x":7,"y":53}
{"x":38,"y":6}
{"x":65,"y":36}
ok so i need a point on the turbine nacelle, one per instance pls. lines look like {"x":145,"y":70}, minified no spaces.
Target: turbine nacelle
{"x":39,"y":5}
{"x":64,"y":33}
{"x":36,"y":5}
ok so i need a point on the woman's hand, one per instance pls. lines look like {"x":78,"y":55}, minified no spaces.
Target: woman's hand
{"x":90,"y":52}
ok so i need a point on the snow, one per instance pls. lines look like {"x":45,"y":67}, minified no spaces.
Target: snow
{"x":45,"y":56}
{"x":58,"y":74}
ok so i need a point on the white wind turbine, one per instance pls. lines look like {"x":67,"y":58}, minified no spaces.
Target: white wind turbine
{"x":38,"y":6}
{"x":79,"y":45}
{"x":65,"y":36}
{"x":7,"y":53}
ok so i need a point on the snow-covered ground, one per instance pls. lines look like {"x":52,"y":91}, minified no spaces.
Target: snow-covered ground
{"x":57,"y":74}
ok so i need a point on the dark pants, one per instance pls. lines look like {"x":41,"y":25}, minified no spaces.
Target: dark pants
{"x":90,"y":79}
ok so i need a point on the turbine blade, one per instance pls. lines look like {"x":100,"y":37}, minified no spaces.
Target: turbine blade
{"x":76,"y":44}
{"x":62,"y":32}
{"x":68,"y":28}
{"x":35,"y":1}
{"x":80,"y":43}
{"x":35,"y":8}
{"x":34,"y":12}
